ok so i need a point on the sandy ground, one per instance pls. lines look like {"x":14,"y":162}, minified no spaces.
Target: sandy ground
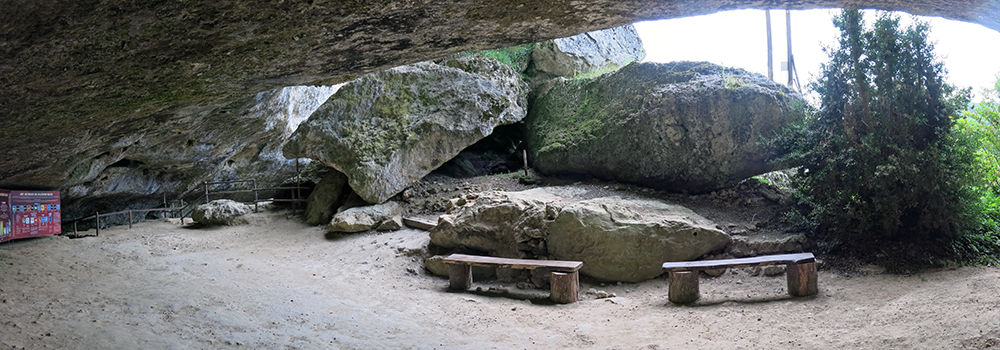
{"x":281,"y":284}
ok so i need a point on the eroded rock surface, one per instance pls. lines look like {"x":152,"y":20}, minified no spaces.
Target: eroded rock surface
{"x":628,"y":240}
{"x":365,"y":218}
{"x":328,"y":194}
{"x":687,"y":127}
{"x":588,"y":53}
{"x":140,"y":167}
{"x":221,"y":212}
{"x":389,"y":129}
{"x":618,"y":239}
{"x":504,"y":224}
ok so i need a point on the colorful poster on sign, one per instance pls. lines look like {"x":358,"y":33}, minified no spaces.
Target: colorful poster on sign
{"x":29,"y":214}
{"x":6,"y":210}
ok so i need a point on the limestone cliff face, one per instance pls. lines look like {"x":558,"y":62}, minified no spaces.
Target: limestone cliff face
{"x":85,"y":85}
{"x":244,"y":141}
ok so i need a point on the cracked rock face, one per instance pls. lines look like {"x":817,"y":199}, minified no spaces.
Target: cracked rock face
{"x":81,"y":81}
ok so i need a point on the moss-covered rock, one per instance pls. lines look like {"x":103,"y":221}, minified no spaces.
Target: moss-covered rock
{"x":686,"y":126}
{"x":388,"y":129}
{"x":617,"y":239}
{"x":628,"y":240}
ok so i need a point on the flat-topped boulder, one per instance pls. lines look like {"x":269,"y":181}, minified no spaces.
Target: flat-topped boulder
{"x":618,"y":239}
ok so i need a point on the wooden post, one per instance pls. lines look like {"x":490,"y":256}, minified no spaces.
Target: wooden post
{"x":255,"y":197}
{"x":770,"y":56}
{"x":524,"y":155}
{"x":565,"y":287}
{"x":788,"y":32}
{"x":459,"y":276}
{"x":97,"y":216}
{"x":801,"y":279}
{"x":75,"y":233}
{"x":206,"y":191}
{"x":683,"y":287}
{"x":130,"y":219}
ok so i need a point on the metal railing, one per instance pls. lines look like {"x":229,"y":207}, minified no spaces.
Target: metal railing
{"x":184,"y":209}
{"x":131,"y":218}
{"x":295,"y":200}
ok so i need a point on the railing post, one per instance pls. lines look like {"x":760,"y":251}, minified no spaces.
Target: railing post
{"x":130,"y":219}
{"x":298,"y":185}
{"x":97,"y":217}
{"x":255,"y":197}
{"x":75,"y":234}
{"x":206,"y":192}
{"x":524,"y":155}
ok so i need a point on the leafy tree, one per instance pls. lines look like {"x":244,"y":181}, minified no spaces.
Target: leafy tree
{"x":979,"y":127}
{"x":878,"y":159}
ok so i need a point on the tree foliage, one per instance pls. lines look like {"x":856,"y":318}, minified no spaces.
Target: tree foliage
{"x":979,"y":127}
{"x":878,"y":160}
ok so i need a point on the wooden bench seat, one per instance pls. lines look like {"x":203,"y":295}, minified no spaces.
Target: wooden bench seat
{"x":564,"y":282}
{"x":800,"y":271}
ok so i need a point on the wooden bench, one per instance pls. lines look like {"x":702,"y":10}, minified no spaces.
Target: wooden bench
{"x":800,"y":270}
{"x":565,"y":281}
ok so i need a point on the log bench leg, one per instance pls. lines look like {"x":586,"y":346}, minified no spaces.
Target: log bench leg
{"x":459,"y":276}
{"x":801,"y":279}
{"x":565,"y":287}
{"x":683,"y":287}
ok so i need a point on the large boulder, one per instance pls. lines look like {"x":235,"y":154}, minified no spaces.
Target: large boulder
{"x":365,"y":218}
{"x":221,"y":212}
{"x":687,"y":127}
{"x":389,"y":129}
{"x":617,"y":239}
{"x":628,"y":240}
{"x":589,"y":53}
{"x":504,"y":224}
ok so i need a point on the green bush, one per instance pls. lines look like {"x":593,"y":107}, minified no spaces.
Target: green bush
{"x":979,"y":128}
{"x":879,"y":161}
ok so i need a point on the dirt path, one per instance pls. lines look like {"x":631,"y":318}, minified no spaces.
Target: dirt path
{"x":281,"y":284}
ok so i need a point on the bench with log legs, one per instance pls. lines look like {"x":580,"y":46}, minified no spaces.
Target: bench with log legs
{"x":565,"y":281}
{"x":800,"y":270}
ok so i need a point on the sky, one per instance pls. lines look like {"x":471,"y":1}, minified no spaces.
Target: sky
{"x":970,"y":52}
